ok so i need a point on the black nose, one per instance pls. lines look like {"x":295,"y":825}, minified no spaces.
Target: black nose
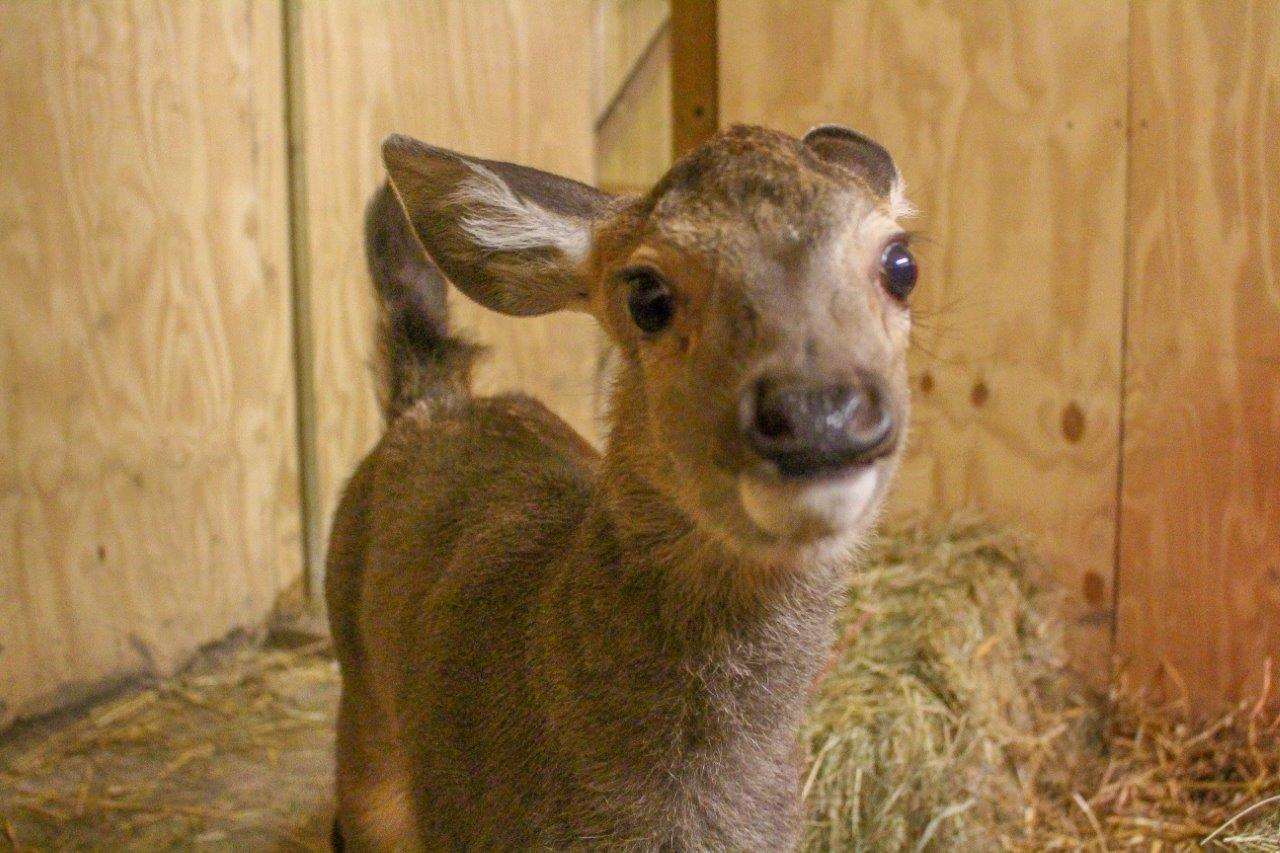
{"x":807,"y":429}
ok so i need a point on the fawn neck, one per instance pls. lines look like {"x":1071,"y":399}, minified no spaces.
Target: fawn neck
{"x":700,"y":567}
{"x":691,"y":648}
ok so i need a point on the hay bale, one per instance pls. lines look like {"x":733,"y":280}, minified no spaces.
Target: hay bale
{"x":948,"y":712}
{"x":949,"y":721}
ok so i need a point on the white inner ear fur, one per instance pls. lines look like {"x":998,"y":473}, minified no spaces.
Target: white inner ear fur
{"x":498,"y":220}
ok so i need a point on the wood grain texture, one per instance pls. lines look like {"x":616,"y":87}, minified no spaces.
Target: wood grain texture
{"x":1007,"y":120}
{"x":624,"y":32}
{"x":505,"y":80}
{"x":147,"y":479}
{"x":633,"y":143}
{"x":1199,"y":590}
{"x":695,"y":83}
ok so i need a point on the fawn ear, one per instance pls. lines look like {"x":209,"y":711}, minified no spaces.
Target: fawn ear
{"x":861,"y":155}
{"x":512,"y":238}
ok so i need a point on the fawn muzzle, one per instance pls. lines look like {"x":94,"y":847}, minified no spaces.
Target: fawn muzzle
{"x":811,"y":429}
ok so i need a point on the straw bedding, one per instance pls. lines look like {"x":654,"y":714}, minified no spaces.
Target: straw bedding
{"x":950,"y":722}
{"x":947,"y":721}
{"x":233,"y":755}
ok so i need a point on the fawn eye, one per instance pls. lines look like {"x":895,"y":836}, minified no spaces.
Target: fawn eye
{"x":649,"y":300}
{"x":898,"y":270}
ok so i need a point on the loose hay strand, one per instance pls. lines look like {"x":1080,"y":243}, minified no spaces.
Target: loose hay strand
{"x":1269,"y":801}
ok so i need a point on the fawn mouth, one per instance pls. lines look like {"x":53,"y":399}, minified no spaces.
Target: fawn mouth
{"x":800,"y":509}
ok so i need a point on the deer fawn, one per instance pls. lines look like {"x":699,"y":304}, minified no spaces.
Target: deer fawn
{"x":545,"y":647}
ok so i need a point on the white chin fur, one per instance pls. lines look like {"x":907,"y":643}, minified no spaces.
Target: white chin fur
{"x":798,"y":510}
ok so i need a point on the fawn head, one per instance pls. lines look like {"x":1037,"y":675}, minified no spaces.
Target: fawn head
{"x":756,"y":297}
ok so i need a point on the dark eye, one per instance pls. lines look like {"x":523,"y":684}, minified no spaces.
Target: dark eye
{"x":649,"y":300}
{"x":898,"y":270}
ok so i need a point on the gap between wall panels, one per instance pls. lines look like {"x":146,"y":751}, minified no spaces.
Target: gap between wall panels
{"x":300,"y":291}
{"x":1124,"y":334}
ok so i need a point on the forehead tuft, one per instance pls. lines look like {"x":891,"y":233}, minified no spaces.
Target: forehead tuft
{"x":762,"y":179}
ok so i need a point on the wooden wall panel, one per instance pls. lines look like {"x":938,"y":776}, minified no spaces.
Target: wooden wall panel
{"x":625,"y":30}
{"x":695,"y":83}
{"x":1199,"y":586}
{"x":147,"y":475}
{"x":633,"y":136}
{"x":506,"y":80}
{"x":1007,"y":120}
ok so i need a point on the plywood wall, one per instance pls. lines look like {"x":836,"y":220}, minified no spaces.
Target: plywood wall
{"x":1008,"y":121}
{"x":161,"y":252}
{"x":505,"y":80}
{"x":173,"y":281}
{"x":633,"y":116}
{"x":624,"y":31}
{"x":1199,"y":590}
{"x":147,"y":477}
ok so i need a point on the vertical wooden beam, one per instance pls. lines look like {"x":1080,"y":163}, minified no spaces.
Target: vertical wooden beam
{"x":695,"y":76}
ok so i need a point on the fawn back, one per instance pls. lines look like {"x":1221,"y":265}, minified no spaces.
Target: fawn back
{"x":542,"y":646}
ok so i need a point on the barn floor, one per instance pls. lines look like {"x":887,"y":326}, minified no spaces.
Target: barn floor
{"x":941,"y":645}
{"x":236,"y":754}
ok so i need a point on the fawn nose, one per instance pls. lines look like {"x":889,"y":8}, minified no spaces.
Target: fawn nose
{"x":808,"y":429}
